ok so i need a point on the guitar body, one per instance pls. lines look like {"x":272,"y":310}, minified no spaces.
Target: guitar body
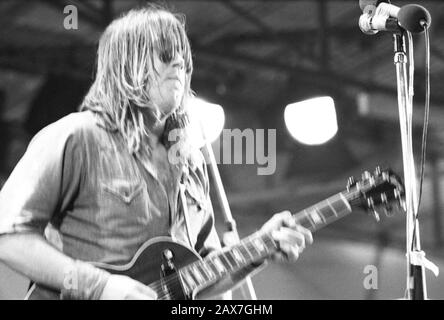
{"x":145,"y":267}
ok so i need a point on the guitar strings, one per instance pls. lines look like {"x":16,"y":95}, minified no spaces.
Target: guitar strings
{"x":247,"y":244}
{"x":159,"y":285}
{"x":166,"y":295}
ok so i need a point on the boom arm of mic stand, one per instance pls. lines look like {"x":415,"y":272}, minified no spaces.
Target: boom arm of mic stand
{"x":247,"y":288}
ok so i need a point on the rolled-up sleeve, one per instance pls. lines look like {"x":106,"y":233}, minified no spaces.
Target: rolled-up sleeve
{"x":44,"y":182}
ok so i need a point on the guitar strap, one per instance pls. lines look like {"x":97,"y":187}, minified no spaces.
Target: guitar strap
{"x":183,"y":201}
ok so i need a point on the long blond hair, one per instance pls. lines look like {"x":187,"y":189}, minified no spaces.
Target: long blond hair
{"x":125,"y":70}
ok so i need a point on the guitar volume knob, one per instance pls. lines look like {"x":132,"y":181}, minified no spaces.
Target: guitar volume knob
{"x":167,"y":254}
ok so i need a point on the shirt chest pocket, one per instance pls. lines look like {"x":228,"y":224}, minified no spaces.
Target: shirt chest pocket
{"x":123,"y":204}
{"x":123,"y":190}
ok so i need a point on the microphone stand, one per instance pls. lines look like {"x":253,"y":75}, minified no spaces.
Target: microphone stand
{"x":246,"y":287}
{"x":416,"y":281}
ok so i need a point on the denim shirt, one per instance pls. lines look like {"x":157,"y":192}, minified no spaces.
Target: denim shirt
{"x":78,"y":181}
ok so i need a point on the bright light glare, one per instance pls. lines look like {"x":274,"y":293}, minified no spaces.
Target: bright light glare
{"x":210,"y":115}
{"x":312,"y":121}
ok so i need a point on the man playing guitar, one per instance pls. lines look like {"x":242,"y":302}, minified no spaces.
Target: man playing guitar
{"x":102,"y":181}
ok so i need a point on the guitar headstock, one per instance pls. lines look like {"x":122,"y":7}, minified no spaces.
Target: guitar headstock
{"x":380,"y":189}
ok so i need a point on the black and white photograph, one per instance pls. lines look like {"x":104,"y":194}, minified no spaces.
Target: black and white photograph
{"x":251,"y":151}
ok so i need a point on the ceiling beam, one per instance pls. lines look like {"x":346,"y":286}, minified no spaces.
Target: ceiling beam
{"x":310,"y":76}
{"x":266,"y":30}
{"x":13,"y":10}
{"x":246,"y":14}
{"x":76,"y":61}
{"x":108,"y":11}
{"x":284,"y":37}
{"x":323,"y":38}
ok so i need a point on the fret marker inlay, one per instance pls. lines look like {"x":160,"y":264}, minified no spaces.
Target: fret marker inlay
{"x":197,"y":274}
{"x":219,"y":265}
{"x":316,"y":217}
{"x":208,"y":271}
{"x":188,"y":278}
{"x":259,"y":245}
{"x":332,"y":208}
{"x":237,"y":256}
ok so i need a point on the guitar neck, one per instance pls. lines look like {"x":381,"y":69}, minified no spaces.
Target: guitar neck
{"x":324,"y":212}
{"x":259,"y":245}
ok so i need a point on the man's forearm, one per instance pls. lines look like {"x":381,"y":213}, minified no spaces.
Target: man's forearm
{"x":31,"y":255}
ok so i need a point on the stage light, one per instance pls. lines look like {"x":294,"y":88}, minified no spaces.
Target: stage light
{"x":312,"y":121}
{"x":208,"y":116}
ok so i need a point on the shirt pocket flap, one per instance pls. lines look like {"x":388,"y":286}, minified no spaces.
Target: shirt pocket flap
{"x":123,"y":189}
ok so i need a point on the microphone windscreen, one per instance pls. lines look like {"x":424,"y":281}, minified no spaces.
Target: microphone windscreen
{"x":411,"y":15}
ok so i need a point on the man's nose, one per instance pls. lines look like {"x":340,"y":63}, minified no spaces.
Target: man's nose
{"x":178,"y":62}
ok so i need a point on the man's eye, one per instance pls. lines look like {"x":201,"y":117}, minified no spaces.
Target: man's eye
{"x":165,"y":57}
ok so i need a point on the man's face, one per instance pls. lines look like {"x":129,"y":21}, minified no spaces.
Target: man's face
{"x":168,"y":84}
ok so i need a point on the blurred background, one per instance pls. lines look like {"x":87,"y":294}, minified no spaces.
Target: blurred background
{"x":253,"y":58}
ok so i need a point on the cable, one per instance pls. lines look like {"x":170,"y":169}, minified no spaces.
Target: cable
{"x":425,"y":124}
{"x":426,"y":111}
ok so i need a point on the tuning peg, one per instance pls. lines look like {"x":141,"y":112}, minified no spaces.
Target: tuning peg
{"x":384,"y":199}
{"x":351,"y":182}
{"x":401,"y":203}
{"x":371,"y":206}
{"x":366,"y":175}
{"x":370,"y":203}
{"x":376,"y":215}
{"x":388,"y":211}
{"x":378,"y":171}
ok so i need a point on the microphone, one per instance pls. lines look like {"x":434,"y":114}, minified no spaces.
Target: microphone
{"x":414,"y":18}
{"x":388,"y":17}
{"x":388,"y":9}
{"x":373,"y":24}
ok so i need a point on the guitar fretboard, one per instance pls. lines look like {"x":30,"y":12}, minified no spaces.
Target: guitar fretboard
{"x":324,"y":213}
{"x":258,"y":246}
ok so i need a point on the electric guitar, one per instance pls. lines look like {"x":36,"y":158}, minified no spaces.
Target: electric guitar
{"x":176,"y":272}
